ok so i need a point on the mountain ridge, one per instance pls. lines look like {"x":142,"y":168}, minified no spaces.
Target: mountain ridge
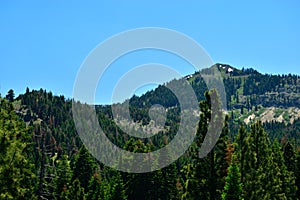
{"x":270,"y":102}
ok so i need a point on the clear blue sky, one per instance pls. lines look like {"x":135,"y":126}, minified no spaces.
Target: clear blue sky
{"x":43,"y":43}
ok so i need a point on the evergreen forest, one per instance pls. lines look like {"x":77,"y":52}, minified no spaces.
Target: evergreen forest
{"x":43,"y":157}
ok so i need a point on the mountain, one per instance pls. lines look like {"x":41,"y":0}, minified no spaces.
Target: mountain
{"x":244,"y":88}
{"x":61,"y":167}
{"x":251,"y":96}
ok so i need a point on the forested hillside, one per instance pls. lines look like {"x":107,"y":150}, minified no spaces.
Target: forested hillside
{"x":42,"y":156}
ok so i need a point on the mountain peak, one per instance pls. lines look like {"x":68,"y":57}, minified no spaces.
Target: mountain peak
{"x":226,"y":67}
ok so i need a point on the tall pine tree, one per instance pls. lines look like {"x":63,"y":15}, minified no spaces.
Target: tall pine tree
{"x":233,"y":189}
{"x":84,"y":167}
{"x":17,"y":180}
{"x":205,"y":177}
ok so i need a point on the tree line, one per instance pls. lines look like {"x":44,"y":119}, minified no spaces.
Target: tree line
{"x":42,"y":157}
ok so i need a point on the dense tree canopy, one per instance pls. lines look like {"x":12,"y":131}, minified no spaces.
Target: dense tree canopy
{"x":42,"y":156}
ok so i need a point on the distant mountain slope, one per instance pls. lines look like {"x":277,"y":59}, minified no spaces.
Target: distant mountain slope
{"x":245,"y":88}
{"x":58,"y":156}
{"x":251,"y":96}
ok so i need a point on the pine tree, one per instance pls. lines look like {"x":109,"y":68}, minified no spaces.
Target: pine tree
{"x":261,"y":143}
{"x":95,"y":188}
{"x":287,"y":176}
{"x":297,"y":173}
{"x":76,"y":192}
{"x":289,"y":157}
{"x":17,"y":180}
{"x":84,"y":167}
{"x":257,"y":150}
{"x":265,"y":163}
{"x":10,"y":95}
{"x":191,"y":189}
{"x":143,"y":185}
{"x":117,"y":186}
{"x":241,"y":146}
{"x":205,"y":177}
{"x":196,"y":172}
{"x":63,"y":175}
{"x":233,"y":187}
{"x":46,"y":172}
{"x":220,"y":157}
{"x":274,"y":170}
{"x":263,"y":188}
{"x":167,"y":184}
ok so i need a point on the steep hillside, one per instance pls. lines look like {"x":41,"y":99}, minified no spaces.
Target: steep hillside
{"x":269,"y":114}
{"x":62,"y":168}
{"x":251,"y":96}
{"x":246,"y":90}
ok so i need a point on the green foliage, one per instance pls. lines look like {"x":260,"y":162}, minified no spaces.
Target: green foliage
{"x":256,"y":154}
{"x":297,"y":173}
{"x":10,"y":95}
{"x":267,"y":170}
{"x":95,"y":189}
{"x":261,"y":162}
{"x":17,"y":180}
{"x":117,"y":187}
{"x":76,"y":192}
{"x":167,"y":185}
{"x":145,"y":185}
{"x":63,"y":175}
{"x":205,"y":177}
{"x":84,"y":167}
{"x":233,"y":188}
{"x":242,"y":146}
{"x":286,"y":176}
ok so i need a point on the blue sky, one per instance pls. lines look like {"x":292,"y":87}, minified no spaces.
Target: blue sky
{"x":43,"y":43}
